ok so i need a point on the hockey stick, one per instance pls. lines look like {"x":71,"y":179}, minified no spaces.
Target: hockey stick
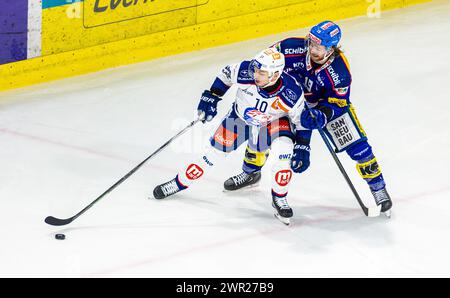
{"x":61,"y":222}
{"x":370,"y":212}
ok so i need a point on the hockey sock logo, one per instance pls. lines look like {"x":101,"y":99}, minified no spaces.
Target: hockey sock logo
{"x":370,"y":169}
{"x":194,"y":172}
{"x":283,"y":177}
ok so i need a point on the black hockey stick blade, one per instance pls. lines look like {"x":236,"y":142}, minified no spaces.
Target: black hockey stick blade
{"x":53,"y":221}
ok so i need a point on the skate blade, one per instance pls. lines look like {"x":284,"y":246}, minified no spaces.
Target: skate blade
{"x":242,"y":188}
{"x":388,"y":213}
{"x":284,"y":220}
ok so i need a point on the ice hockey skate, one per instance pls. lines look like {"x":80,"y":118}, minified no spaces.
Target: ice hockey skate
{"x":382,"y":198}
{"x":282,"y":210}
{"x":167,"y":189}
{"x":242,"y":180}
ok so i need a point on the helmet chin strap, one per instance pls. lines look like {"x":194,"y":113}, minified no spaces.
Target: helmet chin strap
{"x":325,"y":58}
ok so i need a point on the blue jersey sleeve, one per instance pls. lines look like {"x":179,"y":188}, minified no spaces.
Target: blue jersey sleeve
{"x":293,"y":49}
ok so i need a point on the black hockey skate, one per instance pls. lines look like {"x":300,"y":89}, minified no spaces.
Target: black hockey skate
{"x":166,"y":189}
{"x":282,"y":210}
{"x":382,"y":198}
{"x":242,"y":180}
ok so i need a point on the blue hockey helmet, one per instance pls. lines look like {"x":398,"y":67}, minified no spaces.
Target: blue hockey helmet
{"x":327,"y":34}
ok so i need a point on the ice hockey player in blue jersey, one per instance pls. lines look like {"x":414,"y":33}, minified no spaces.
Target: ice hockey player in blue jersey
{"x":323,"y":71}
{"x":265,"y":113}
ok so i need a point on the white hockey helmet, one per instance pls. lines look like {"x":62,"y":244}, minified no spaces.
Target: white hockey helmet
{"x":269,"y":60}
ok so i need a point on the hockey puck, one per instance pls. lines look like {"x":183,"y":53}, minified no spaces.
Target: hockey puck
{"x":60,"y":236}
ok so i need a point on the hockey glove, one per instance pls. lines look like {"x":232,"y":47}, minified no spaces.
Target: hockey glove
{"x":300,"y":158}
{"x":309,"y":122}
{"x":207,"y":108}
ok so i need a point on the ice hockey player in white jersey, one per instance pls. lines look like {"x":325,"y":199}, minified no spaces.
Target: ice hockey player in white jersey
{"x":321,"y":68}
{"x":268,"y":102}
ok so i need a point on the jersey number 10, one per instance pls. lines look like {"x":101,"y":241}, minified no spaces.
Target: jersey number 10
{"x":261,"y":105}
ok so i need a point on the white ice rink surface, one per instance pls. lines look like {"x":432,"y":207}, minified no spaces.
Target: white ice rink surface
{"x":63,"y":143}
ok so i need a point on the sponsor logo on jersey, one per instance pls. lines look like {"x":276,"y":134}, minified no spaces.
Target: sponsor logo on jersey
{"x":288,"y":69}
{"x":291,"y":94}
{"x":207,"y":161}
{"x":340,"y":102}
{"x":194,"y":172}
{"x":334,"y":75}
{"x":299,"y":64}
{"x":370,"y":169}
{"x":225,"y":137}
{"x":244,"y":73}
{"x":283,"y":177}
{"x":343,"y":131}
{"x":284,"y":156}
{"x":294,"y":51}
{"x":341,"y":91}
{"x":278,"y":105}
{"x":320,"y":80}
{"x":276,"y":56}
{"x":247,"y":92}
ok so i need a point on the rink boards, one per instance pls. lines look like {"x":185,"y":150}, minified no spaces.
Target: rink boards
{"x":65,"y":38}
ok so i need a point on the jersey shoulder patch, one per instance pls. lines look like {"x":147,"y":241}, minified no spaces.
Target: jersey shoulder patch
{"x":291,"y":91}
{"x":245,"y":73}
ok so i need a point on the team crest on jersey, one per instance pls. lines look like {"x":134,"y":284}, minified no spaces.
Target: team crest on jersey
{"x":194,"y":172}
{"x":283,"y":177}
{"x":255,"y":117}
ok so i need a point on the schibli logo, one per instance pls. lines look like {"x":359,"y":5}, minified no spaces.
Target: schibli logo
{"x":294,"y":51}
{"x":103,"y":5}
{"x":334,"y":75}
{"x":194,"y":172}
{"x":283,"y":177}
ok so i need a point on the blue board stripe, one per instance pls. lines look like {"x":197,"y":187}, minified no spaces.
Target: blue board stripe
{"x":55,"y":3}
